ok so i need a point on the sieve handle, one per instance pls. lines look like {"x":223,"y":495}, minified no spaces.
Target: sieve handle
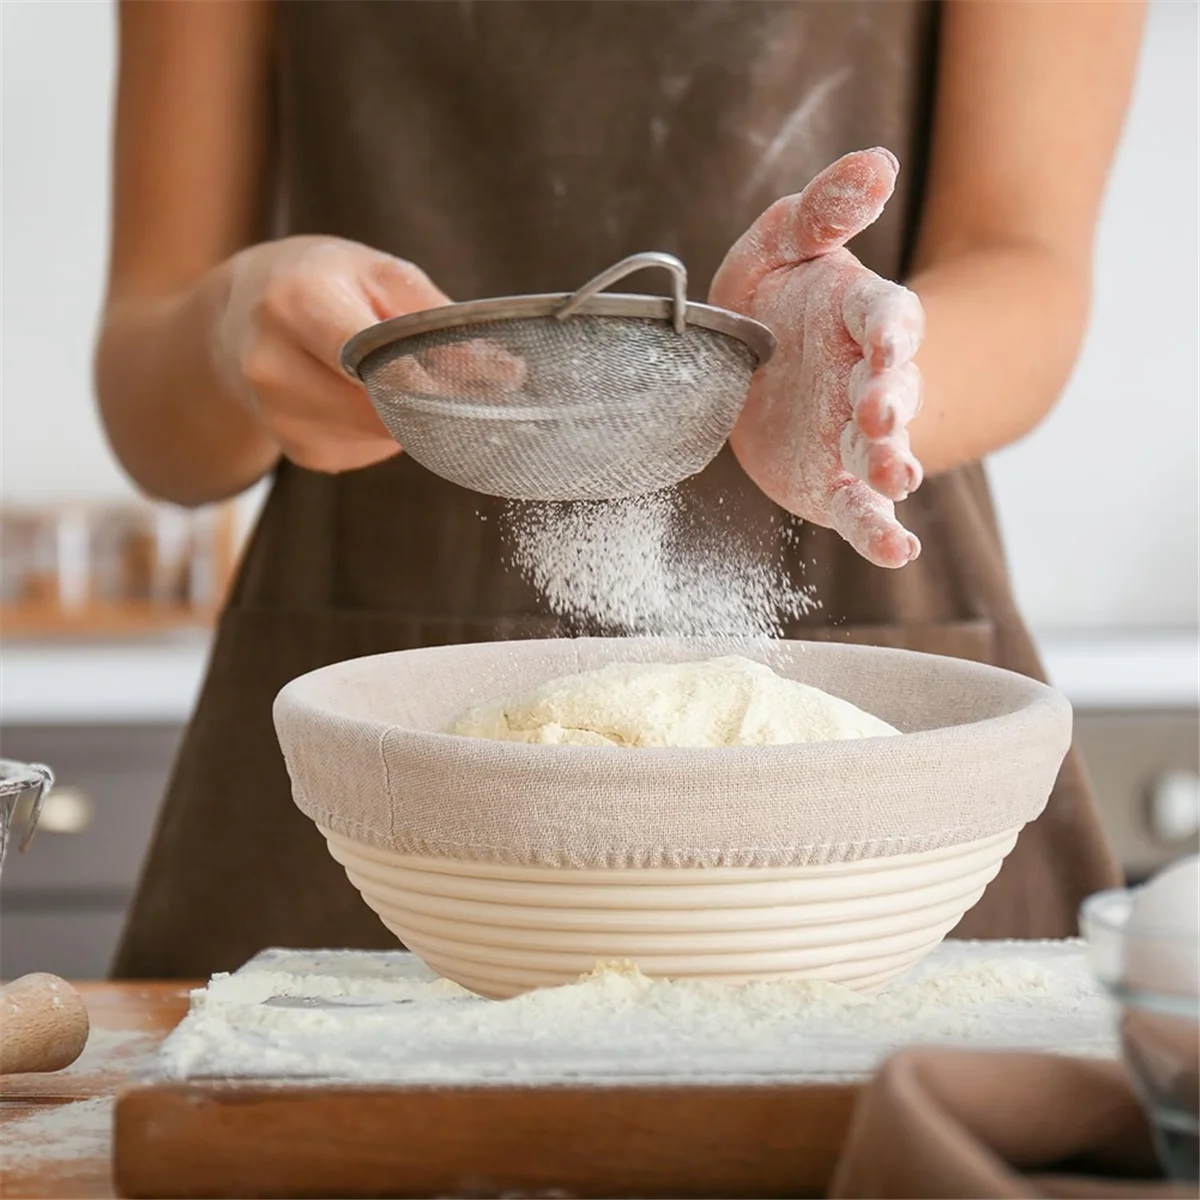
{"x":627,"y":266}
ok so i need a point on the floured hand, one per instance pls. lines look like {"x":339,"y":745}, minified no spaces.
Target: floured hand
{"x":290,"y":306}
{"x":824,"y":430}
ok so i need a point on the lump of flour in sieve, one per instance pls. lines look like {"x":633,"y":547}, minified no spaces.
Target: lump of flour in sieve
{"x":728,"y":701}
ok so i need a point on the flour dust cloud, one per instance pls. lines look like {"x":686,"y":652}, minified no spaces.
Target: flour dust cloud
{"x":646,"y":566}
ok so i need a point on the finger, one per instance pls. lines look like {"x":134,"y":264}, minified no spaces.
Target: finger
{"x":309,"y":400}
{"x":324,"y":315}
{"x":330,"y":300}
{"x":836,"y":206}
{"x":478,"y":369}
{"x":884,"y":401}
{"x":480,"y":366}
{"x":397,"y":287}
{"x":843,"y":200}
{"x":888,"y":466}
{"x":885,"y":319}
{"x":307,"y":448}
{"x":868,"y":522}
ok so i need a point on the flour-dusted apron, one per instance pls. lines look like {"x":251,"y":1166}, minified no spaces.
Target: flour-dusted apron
{"x":514,"y":147}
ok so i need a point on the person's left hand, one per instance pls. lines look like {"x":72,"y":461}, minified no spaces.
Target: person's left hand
{"x":824,"y":429}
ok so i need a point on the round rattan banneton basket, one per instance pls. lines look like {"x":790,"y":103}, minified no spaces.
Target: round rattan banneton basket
{"x":508,"y":866}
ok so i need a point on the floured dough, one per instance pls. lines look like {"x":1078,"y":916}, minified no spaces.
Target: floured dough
{"x":720,"y":702}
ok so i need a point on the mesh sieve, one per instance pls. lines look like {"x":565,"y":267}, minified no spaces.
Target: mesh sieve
{"x":584,"y":396}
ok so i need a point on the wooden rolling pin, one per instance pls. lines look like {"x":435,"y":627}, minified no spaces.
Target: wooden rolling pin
{"x":43,"y":1025}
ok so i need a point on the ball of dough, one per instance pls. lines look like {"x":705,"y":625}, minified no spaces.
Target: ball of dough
{"x":728,"y":701}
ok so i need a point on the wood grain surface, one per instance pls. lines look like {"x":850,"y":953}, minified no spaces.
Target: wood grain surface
{"x":55,"y":1130}
{"x":222,"y":1139}
{"x":217,"y":1139}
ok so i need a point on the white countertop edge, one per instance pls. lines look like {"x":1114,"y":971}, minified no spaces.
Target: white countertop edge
{"x":1124,"y":671}
{"x":101,"y":683}
{"x":145,"y":683}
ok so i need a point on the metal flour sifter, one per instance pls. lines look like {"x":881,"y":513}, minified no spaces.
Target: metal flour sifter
{"x":590,"y":395}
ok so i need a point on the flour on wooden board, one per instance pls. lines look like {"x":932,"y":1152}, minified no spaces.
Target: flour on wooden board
{"x":59,"y":1132}
{"x":82,"y":1128}
{"x":357,"y":1016}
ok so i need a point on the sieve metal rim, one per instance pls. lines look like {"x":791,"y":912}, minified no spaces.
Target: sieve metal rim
{"x":750,"y":332}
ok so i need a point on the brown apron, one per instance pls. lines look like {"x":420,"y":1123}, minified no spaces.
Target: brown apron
{"x":514,"y":147}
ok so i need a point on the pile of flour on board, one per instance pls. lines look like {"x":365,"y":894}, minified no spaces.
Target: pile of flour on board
{"x":350,"y":1015}
{"x":641,"y":566}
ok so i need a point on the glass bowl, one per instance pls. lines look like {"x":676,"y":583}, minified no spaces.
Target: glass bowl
{"x":23,"y":789}
{"x":1151,"y":974}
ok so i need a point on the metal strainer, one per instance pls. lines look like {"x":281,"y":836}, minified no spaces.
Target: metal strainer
{"x":584,"y":396}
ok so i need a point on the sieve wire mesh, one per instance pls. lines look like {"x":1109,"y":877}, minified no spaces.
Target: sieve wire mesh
{"x":587,"y":408}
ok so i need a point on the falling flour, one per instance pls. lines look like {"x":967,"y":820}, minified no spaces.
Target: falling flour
{"x":385,"y":1017}
{"x":644,"y":566}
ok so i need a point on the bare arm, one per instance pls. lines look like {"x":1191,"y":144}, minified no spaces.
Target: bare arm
{"x":188,"y":155}
{"x":1030,"y":105}
{"x":216,"y":355}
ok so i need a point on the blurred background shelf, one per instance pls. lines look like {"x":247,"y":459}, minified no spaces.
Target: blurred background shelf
{"x":130,"y":619}
{"x":112,"y":570}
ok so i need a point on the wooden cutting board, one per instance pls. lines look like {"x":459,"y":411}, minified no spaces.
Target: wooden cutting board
{"x":218,"y":1139}
{"x":342,"y":1073}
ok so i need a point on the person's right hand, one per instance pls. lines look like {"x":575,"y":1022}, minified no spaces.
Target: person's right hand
{"x":290,"y":306}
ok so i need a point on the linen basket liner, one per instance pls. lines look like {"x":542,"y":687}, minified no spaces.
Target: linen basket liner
{"x":367,"y":758}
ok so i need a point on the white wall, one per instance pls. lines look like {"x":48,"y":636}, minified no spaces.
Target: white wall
{"x":57,"y":78}
{"x":1099,"y":506}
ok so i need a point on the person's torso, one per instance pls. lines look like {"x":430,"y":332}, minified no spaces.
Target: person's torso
{"x":508,"y":147}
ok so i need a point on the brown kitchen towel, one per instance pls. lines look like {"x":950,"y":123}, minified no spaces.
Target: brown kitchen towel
{"x":970,"y":1125}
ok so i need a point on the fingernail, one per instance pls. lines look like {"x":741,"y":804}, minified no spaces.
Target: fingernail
{"x":888,"y":155}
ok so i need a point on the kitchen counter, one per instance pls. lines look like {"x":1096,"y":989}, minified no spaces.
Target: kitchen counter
{"x":157,"y":682}
{"x":58,"y":1137}
{"x":219,"y":1130}
{"x":56,"y":1130}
